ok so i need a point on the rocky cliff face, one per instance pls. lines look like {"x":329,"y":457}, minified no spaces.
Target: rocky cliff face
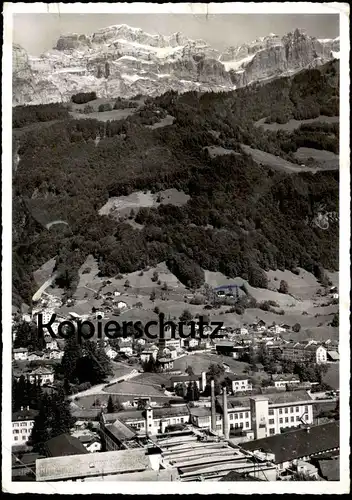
{"x":120,"y":60}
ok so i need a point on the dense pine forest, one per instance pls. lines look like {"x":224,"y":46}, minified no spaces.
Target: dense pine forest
{"x":241,"y":218}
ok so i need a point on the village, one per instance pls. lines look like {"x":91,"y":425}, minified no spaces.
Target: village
{"x":247,"y":390}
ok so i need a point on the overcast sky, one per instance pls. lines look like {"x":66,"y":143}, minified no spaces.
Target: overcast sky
{"x":39,"y":32}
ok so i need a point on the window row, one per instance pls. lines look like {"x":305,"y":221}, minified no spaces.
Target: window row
{"x":290,"y":409}
{"x":236,"y":416}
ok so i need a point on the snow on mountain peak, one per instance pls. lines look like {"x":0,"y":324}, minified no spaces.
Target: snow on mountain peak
{"x":120,"y":59}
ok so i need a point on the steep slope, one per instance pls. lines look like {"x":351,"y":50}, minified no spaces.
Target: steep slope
{"x":120,"y":60}
{"x":241,"y":218}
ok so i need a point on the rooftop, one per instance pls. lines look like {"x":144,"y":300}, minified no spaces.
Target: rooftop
{"x":123,"y":416}
{"x":86,"y":414}
{"x":274,"y":398}
{"x":334,"y":355}
{"x":120,"y":431}
{"x":298,"y":443}
{"x":234,"y":376}
{"x":90,"y":465}
{"x":200,"y":412}
{"x":146,"y":475}
{"x":25,"y":414}
{"x":64,"y":445}
{"x":224,"y":344}
{"x":87,"y":439}
{"x":25,"y":459}
{"x":285,"y":376}
{"x":170,"y":412}
{"x":42,"y":370}
{"x":185,"y":378}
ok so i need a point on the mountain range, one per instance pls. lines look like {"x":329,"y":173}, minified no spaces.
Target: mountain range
{"x":125,"y":61}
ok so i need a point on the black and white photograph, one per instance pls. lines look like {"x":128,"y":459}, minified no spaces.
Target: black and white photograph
{"x":176,"y":226}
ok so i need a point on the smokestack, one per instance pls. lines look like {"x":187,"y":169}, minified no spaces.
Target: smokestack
{"x":225,"y":417}
{"x":204,"y":380}
{"x":213,"y":413}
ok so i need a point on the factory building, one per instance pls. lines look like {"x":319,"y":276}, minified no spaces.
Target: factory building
{"x":184,"y":456}
{"x":256,"y":416}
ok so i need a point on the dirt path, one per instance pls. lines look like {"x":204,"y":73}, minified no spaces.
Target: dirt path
{"x":99,"y":389}
{"x":44,"y":286}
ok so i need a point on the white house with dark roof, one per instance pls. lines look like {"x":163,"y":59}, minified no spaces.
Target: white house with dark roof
{"x":22,"y":425}
{"x":20,"y":354}
{"x":35,"y":356}
{"x":50,"y":343}
{"x":280,"y":381}
{"x":91,"y":442}
{"x":239,"y":383}
{"x":43,"y":374}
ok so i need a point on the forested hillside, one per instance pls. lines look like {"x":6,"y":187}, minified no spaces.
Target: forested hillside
{"x":241,"y":218}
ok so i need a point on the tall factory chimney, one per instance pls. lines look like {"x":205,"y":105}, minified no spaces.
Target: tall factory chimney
{"x":204,"y":380}
{"x":213,"y":411}
{"x":225,"y":417}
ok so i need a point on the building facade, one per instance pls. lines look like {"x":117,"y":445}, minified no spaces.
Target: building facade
{"x":239,"y":383}
{"x":22,"y":425}
{"x":20,"y":354}
{"x":282,"y":380}
{"x":263,"y":415}
{"x":301,"y":353}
